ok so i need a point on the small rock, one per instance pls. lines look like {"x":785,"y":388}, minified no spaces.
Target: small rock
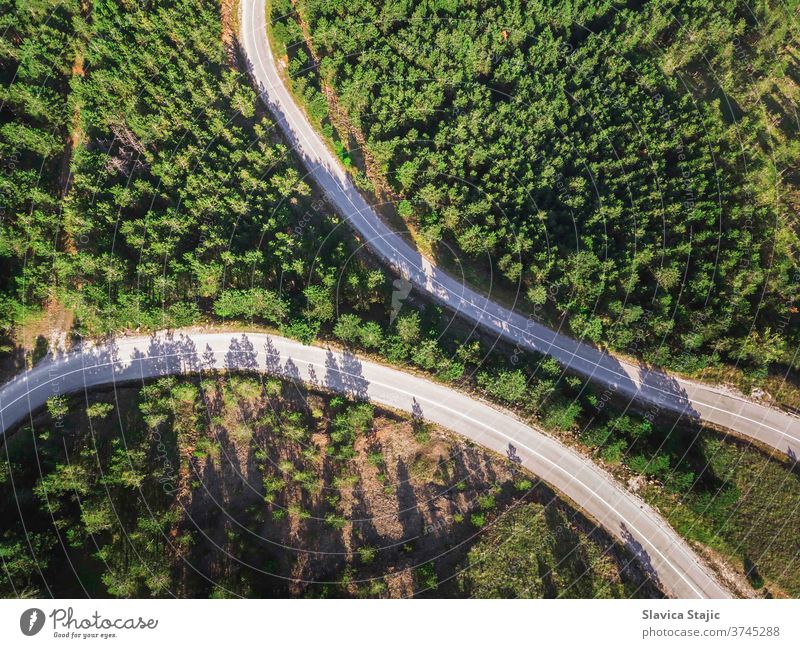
{"x":635,"y":483}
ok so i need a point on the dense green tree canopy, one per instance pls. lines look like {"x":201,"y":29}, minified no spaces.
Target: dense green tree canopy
{"x":631,"y":167}
{"x":143,"y":184}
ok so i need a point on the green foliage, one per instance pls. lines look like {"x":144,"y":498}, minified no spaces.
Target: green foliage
{"x":181,"y":205}
{"x":534,"y":551}
{"x":426,"y":578}
{"x":371,"y":335}
{"x":99,"y":410}
{"x":36,"y":53}
{"x":478,"y":519}
{"x":561,"y":415}
{"x":320,"y":303}
{"x":427,"y":354}
{"x":422,"y":432}
{"x":57,"y":407}
{"x":486,"y":502}
{"x":523,"y":485}
{"x":354,"y":421}
{"x":107,"y":499}
{"x":508,"y":386}
{"x":348,"y":328}
{"x":249,"y":304}
{"x":619,"y":164}
{"x":745,"y":506}
{"x":302,"y":330}
{"x":335,"y":521}
{"x":408,"y":327}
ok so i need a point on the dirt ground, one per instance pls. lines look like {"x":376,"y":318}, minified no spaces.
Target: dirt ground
{"x":405,"y":499}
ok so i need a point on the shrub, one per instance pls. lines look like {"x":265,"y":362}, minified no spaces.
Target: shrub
{"x":58,"y":407}
{"x":508,"y":386}
{"x":99,"y":410}
{"x":426,"y":577}
{"x":371,"y":335}
{"x":367,"y":554}
{"x":252,"y":303}
{"x":348,"y":328}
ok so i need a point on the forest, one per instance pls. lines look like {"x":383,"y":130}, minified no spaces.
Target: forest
{"x":626,"y":171}
{"x":196,"y":487}
{"x":143,"y":185}
{"x":245,"y":486}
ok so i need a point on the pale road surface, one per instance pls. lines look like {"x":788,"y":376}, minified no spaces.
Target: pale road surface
{"x":776,"y":429}
{"x":132,"y":359}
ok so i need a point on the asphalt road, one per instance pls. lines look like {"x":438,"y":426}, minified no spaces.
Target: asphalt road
{"x":660,"y":392}
{"x":660,"y":550}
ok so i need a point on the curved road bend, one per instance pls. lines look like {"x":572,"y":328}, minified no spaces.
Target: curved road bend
{"x":776,"y":429}
{"x":661,"y":551}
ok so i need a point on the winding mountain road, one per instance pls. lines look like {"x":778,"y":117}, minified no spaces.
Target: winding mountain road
{"x":658,"y":390}
{"x":124,"y":360}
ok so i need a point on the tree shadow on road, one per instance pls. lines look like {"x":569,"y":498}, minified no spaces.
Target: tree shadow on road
{"x":635,"y":547}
